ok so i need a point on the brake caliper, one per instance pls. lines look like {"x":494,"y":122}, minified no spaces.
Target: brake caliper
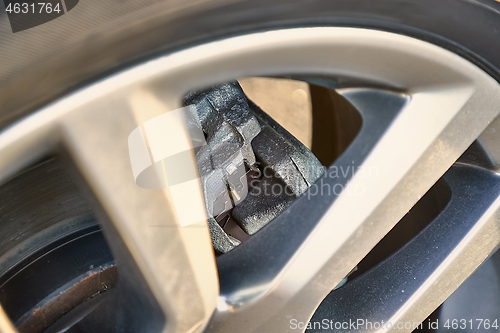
{"x":251,"y":168}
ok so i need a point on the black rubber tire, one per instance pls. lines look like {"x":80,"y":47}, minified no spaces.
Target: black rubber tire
{"x":97,"y":38}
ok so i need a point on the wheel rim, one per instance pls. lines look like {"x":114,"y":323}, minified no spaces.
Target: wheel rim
{"x":450,"y":101}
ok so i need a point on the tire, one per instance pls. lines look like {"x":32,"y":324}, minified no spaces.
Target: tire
{"x":95,"y":40}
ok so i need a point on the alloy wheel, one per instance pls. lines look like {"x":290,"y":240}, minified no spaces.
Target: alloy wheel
{"x":421,"y":106}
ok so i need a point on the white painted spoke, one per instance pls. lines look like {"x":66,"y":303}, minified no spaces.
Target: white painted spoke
{"x":410,"y":150}
{"x":5,"y":324}
{"x":412,"y":283}
{"x":175,"y":259}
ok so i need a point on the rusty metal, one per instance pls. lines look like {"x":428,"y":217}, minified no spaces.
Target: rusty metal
{"x":61,"y":301}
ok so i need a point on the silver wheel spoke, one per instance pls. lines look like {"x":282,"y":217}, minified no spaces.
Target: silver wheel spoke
{"x":5,"y":324}
{"x":176,"y":261}
{"x":408,"y":286}
{"x":410,"y":147}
